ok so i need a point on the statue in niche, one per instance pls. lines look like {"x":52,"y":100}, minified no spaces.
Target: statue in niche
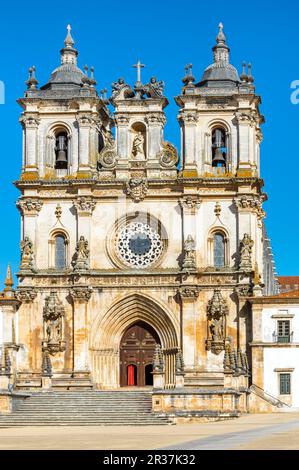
{"x":53,"y":316}
{"x":216,"y":328}
{"x":189,"y":261}
{"x":138,"y":147}
{"x":26,"y":254}
{"x":81,"y":255}
{"x":246,"y":251}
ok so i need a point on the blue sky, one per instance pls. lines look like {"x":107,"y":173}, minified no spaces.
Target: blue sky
{"x":111,"y":36}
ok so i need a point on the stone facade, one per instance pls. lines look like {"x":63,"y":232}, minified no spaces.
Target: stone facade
{"x":116,"y":233}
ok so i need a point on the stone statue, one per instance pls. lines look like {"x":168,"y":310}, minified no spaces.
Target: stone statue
{"x":53,"y":316}
{"x":138,"y":147}
{"x":216,"y":329}
{"x":245,"y":252}
{"x":189,"y":261}
{"x":81,"y":260}
{"x":154,"y":88}
{"x":27,"y":254}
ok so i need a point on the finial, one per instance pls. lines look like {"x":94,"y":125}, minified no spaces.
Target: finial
{"x":31,"y":82}
{"x":8,"y":281}
{"x":189,"y":78}
{"x":85,"y":68}
{"x":243,"y":75}
{"x":221,"y":36}
{"x":92,"y":80}
{"x":69,"y":42}
{"x":250,"y":77}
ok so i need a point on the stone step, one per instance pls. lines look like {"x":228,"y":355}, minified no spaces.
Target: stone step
{"x":94,"y":408}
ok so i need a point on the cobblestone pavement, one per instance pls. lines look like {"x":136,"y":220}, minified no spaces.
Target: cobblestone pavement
{"x":271,"y":431}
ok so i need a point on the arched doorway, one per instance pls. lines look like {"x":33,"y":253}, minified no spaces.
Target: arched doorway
{"x":137,"y":349}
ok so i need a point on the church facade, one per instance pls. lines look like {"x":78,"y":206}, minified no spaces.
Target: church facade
{"x":138,"y":267}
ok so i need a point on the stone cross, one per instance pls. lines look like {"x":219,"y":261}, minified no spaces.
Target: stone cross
{"x":138,"y":66}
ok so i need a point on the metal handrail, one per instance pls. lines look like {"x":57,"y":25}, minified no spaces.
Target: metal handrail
{"x":279,"y":402}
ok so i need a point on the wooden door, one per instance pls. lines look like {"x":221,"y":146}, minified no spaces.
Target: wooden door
{"x":137,"y":351}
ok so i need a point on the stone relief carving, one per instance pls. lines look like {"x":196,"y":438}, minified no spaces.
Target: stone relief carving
{"x":108,"y":155}
{"x":217,"y":310}
{"x":168,"y":156}
{"x":137,"y":189}
{"x":189,"y":261}
{"x":81,"y":293}
{"x":29,"y":205}
{"x":189,"y":292}
{"x":84,"y":204}
{"x":27,"y":255}
{"x":53,"y":318}
{"x":81,"y":257}
{"x":26,"y":295}
{"x":246,"y":246}
{"x":190,"y":202}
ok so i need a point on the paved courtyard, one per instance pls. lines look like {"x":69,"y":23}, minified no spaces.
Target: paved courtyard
{"x":273,"y":431}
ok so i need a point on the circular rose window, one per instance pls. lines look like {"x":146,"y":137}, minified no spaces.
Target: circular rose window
{"x":138,"y":245}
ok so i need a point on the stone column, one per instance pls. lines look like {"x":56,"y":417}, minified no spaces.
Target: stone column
{"x":189,"y":295}
{"x":84,"y":124}
{"x":244,"y":120}
{"x":29,"y":209}
{"x":122,"y":144}
{"x":188,"y":119}
{"x":85,"y":206}
{"x":30,"y":123}
{"x":81,"y":322}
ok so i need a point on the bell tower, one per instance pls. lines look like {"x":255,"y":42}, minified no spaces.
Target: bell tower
{"x":220,"y":119}
{"x":64,"y":121}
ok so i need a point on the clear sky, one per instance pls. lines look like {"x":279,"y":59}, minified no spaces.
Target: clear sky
{"x":165,"y":35}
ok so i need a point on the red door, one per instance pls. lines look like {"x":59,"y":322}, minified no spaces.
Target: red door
{"x":137,"y":351}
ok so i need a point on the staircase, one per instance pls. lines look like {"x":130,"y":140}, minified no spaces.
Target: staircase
{"x":274,"y":401}
{"x":84,"y":408}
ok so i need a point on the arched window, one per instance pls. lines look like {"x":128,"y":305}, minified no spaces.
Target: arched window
{"x":61,"y":151}
{"x":219,"y":148}
{"x":219,"y":250}
{"x":60,"y":251}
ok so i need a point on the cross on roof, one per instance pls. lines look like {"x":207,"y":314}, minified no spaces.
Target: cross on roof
{"x":138,"y":66}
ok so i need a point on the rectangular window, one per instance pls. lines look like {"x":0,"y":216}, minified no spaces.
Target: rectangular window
{"x":285,"y":384}
{"x":283,"y":331}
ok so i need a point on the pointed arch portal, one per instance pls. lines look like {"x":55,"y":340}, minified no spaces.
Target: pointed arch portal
{"x":110,"y":335}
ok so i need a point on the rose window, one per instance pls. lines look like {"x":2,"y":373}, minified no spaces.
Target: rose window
{"x":139,"y":245}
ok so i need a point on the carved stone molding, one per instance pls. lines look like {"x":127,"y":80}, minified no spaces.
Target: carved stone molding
{"x":26,"y":295}
{"x":84,"y":120}
{"x":84,"y":204}
{"x":189,"y":293}
{"x":137,"y":189}
{"x":188,"y":117}
{"x":54,"y":328}
{"x":30,"y":121}
{"x":252,"y":203}
{"x":155,"y":118}
{"x":190,"y":203}
{"x":81,"y":293}
{"x":29,"y":206}
{"x":121,"y":119}
{"x":217,"y":311}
